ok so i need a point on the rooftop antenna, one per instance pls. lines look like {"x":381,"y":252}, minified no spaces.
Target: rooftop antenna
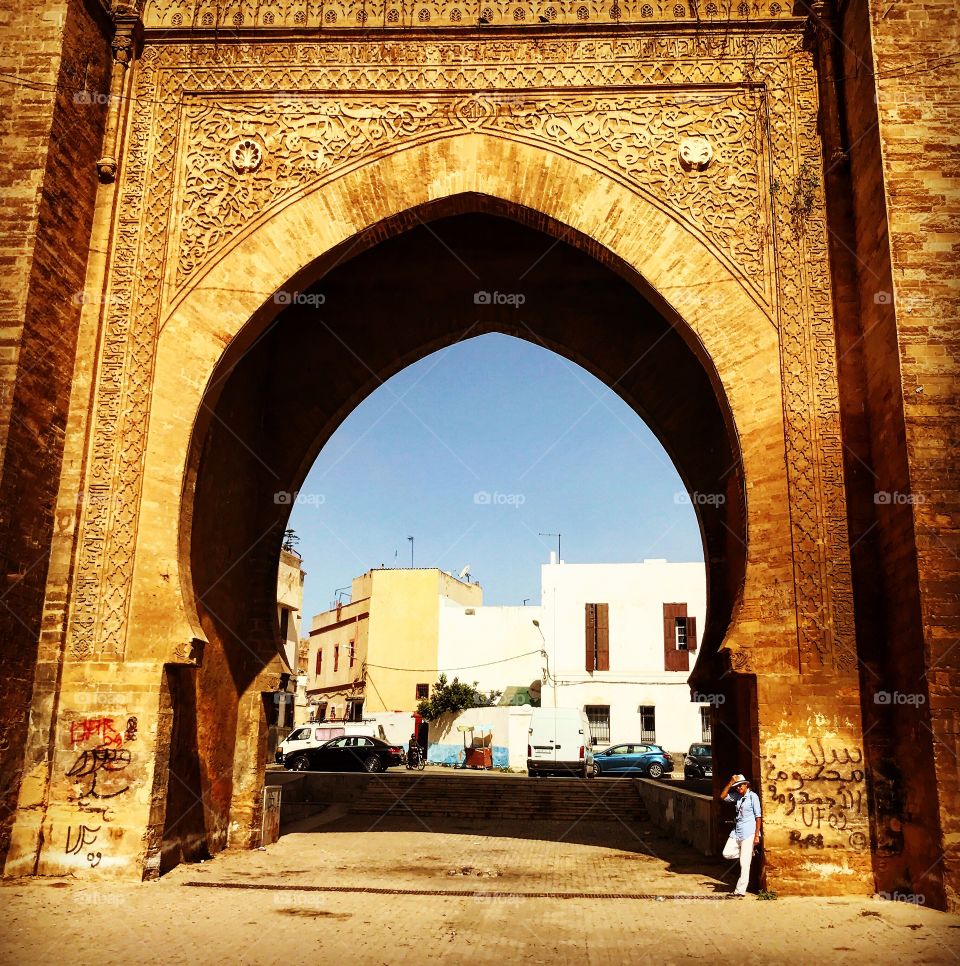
{"x":411,"y":552}
{"x":557,"y":535}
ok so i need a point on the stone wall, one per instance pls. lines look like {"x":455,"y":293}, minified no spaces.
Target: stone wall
{"x":56,"y":57}
{"x":895,"y":253}
{"x":686,"y":816}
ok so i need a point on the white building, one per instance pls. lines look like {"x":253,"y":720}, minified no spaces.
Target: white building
{"x":621,"y":640}
{"x":499,"y":647}
{"x":617,"y":640}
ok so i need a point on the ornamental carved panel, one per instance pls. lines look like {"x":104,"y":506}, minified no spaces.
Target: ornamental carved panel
{"x":716,"y":127}
{"x":636,"y":136}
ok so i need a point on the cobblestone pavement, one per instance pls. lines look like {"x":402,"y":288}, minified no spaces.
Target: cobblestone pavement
{"x":454,"y":894}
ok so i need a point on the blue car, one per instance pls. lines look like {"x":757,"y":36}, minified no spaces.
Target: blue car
{"x":634,"y":760}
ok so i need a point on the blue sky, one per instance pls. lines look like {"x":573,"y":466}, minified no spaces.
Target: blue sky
{"x":475,"y":450}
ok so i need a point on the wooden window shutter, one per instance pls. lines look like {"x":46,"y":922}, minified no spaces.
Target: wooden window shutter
{"x":669,"y":634}
{"x":691,"y":633}
{"x":591,"y":635}
{"x":673,"y":659}
{"x":603,"y":637}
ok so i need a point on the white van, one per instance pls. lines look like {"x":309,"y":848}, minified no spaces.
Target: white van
{"x":314,"y":735}
{"x":559,"y":743}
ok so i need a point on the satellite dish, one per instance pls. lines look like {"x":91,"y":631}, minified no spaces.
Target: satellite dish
{"x":464,"y":573}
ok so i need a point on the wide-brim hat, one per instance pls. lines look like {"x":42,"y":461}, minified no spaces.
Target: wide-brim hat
{"x":739,"y":780}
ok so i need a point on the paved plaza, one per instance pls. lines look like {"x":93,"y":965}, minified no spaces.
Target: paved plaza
{"x":407,"y":890}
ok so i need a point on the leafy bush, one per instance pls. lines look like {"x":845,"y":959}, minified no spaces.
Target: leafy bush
{"x":454,"y":696}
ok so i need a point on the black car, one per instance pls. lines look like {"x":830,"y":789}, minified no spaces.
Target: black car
{"x":698,"y":763}
{"x":346,"y":753}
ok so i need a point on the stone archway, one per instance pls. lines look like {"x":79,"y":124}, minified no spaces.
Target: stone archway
{"x":184,"y":291}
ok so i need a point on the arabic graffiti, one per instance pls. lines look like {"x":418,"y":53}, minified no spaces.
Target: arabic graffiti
{"x":77,"y":842}
{"x":98,"y":772}
{"x":823,"y":797}
{"x":91,"y":763}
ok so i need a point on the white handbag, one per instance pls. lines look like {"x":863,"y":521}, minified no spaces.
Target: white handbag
{"x":731,"y":848}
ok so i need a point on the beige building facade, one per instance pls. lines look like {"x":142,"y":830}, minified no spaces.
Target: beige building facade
{"x":380,"y":651}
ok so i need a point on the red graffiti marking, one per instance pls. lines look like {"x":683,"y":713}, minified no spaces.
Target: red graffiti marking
{"x":98,"y":729}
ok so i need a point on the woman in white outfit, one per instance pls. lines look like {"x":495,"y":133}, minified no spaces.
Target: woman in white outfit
{"x":749,"y":822}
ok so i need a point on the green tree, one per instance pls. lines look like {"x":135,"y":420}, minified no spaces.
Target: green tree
{"x":454,"y":696}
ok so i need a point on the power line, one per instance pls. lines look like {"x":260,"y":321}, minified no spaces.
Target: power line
{"x":467,"y":667}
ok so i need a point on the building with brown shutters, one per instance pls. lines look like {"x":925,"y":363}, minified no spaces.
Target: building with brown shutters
{"x":620,"y":641}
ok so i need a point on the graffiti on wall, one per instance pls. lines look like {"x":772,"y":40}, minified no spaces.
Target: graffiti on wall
{"x":98,"y":773}
{"x":821,"y":800}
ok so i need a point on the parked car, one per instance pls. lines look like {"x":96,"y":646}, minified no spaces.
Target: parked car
{"x":316,"y":734}
{"x":346,"y":753}
{"x":559,"y":743}
{"x":698,"y":763}
{"x":632,"y":759}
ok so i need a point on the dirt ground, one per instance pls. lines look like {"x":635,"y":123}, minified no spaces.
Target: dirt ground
{"x":367,"y":891}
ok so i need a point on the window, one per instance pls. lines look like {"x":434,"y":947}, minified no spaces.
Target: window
{"x":336,"y":658}
{"x":322,"y":711}
{"x":284,"y":623}
{"x":350,"y":651}
{"x":319,"y":661}
{"x":599,"y":717}
{"x":679,"y":637}
{"x":355,"y":711}
{"x":423,"y":692}
{"x":706,"y":730}
{"x":648,"y":723}
{"x":597,"y":637}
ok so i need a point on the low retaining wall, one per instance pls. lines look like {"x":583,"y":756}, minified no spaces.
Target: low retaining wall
{"x":686,"y":815}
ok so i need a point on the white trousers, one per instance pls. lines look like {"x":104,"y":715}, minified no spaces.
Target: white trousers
{"x":746,"y":857}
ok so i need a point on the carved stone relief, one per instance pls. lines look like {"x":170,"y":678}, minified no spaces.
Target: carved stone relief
{"x":624,"y":104}
{"x":431,"y":14}
{"x":635,"y":136}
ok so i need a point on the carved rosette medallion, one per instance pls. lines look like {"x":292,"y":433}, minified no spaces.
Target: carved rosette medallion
{"x":696,"y":153}
{"x":625,"y":105}
{"x":246,"y":156}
